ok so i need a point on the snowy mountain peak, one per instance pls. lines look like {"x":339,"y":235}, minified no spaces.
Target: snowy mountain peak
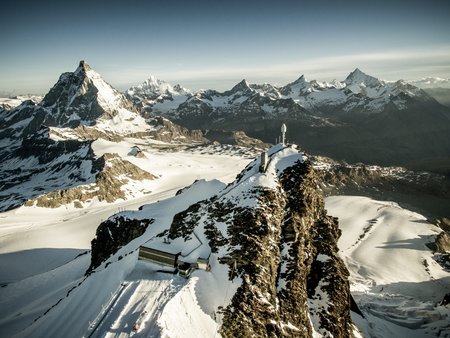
{"x":241,"y":86}
{"x":83,"y":65}
{"x":301,"y":79}
{"x":81,"y":97}
{"x":153,"y":88}
{"x":357,"y":77}
{"x":154,"y":82}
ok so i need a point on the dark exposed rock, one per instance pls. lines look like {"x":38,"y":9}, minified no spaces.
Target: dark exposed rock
{"x":168,"y":131}
{"x":114,"y":173}
{"x":444,"y":224}
{"x":284,"y":251}
{"x":111,"y":235}
{"x":235,"y":138}
{"x":426,"y":193}
{"x":446,"y":300}
{"x":443,"y":242}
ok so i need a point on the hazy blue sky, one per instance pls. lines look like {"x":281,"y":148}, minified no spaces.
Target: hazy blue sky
{"x":214,"y":44}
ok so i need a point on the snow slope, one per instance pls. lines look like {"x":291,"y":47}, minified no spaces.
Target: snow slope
{"x":44,"y":255}
{"x":42,"y":281}
{"x":39,"y":247}
{"x":393,"y":276}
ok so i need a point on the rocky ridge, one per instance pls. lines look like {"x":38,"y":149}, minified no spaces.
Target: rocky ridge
{"x":270,"y":231}
{"x":109,"y":185}
{"x":424,"y":192}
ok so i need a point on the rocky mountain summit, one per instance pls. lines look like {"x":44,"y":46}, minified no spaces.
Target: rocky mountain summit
{"x":267,"y":236}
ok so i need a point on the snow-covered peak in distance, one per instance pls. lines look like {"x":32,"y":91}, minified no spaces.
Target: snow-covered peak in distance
{"x":152,"y":88}
{"x":81,"y":97}
{"x":299,"y":87}
{"x":301,"y":79}
{"x":358,"y":93}
{"x":242,"y":86}
{"x":12,"y":102}
{"x":359,"y":78}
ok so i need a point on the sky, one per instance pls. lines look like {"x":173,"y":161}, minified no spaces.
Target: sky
{"x":215,"y":44}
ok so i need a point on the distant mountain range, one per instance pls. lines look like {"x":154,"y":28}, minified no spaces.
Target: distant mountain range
{"x":360,"y":119}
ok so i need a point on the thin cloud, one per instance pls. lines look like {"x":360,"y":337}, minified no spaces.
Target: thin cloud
{"x":406,"y":64}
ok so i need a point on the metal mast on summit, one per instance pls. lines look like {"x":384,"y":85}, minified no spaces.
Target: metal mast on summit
{"x":283,"y":133}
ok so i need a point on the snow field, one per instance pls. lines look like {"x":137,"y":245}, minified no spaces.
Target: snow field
{"x":44,"y":244}
{"x":393,"y":277}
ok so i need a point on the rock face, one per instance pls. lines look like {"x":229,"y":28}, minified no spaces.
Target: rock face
{"x":113,"y":174}
{"x":272,"y":237}
{"x":238,"y":138}
{"x":289,"y":264}
{"x":426,"y":193}
{"x":443,"y":242}
{"x":112,"y":235}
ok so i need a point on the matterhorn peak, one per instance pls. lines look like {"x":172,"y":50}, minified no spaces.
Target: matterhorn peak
{"x":81,"y":97}
{"x":83,"y":65}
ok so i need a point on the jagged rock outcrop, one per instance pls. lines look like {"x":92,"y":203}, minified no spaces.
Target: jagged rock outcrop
{"x":427,"y":193}
{"x":443,"y":242}
{"x":114,"y":173}
{"x":111,"y":235}
{"x":235,"y":138}
{"x":289,"y":263}
{"x":274,"y":242}
{"x":284,"y":250}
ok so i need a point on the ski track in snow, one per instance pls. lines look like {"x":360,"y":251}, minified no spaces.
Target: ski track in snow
{"x":147,"y":293}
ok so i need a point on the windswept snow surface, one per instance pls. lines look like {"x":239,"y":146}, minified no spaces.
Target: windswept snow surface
{"x":44,"y":253}
{"x":394,"y":278}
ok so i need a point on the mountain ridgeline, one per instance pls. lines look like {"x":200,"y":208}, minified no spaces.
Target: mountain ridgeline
{"x":360,"y":119}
